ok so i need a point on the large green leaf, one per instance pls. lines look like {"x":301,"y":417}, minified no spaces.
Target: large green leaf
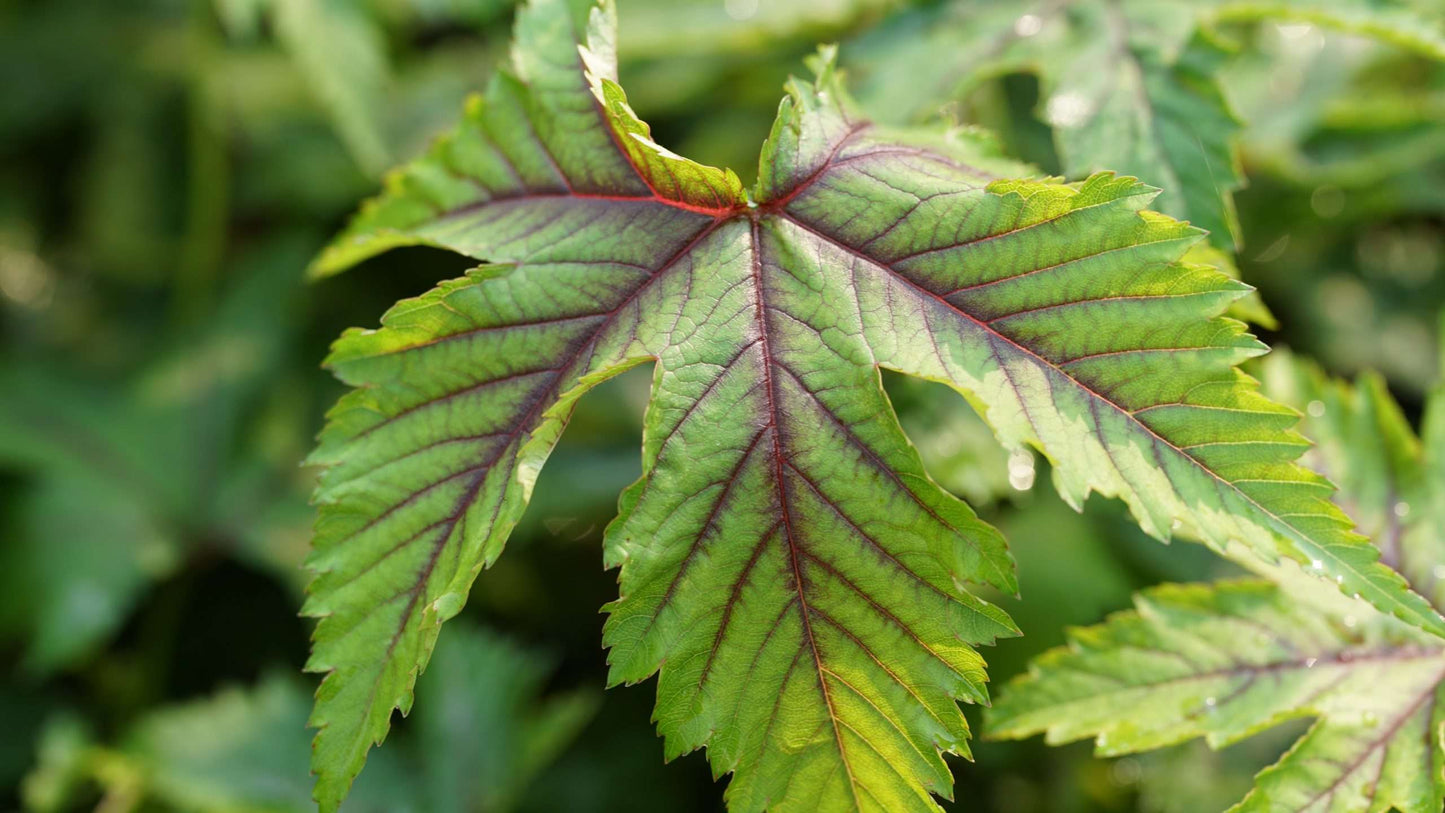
{"x":1226,"y":661}
{"x":787,"y":566}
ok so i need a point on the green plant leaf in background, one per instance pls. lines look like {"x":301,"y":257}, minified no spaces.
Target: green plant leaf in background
{"x":130,"y":480}
{"x":1226,"y":661}
{"x":342,"y":54}
{"x":1413,"y":25}
{"x":1117,"y":100}
{"x":658,"y":27}
{"x":787,"y":566}
{"x":1127,"y":85}
{"x":483,"y":730}
{"x":244,"y":749}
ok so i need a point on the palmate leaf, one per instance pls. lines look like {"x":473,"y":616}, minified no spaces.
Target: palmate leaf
{"x":788,"y":568}
{"x":1228,"y":660}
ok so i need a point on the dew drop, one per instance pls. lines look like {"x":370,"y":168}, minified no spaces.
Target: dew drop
{"x":1126,"y":771}
{"x":1340,"y":579}
{"x":1318,"y":564}
{"x":1402,"y":509}
{"x":1438,"y":571}
{"x":1316,"y":409}
{"x":1210,"y":702}
{"x":1310,"y":664}
{"x":1350,"y":621}
{"x":1021,"y":470}
{"x":1028,"y":25}
{"x":1176,"y":525}
{"x":26,"y":279}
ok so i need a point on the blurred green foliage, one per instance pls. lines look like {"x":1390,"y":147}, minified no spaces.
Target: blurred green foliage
{"x":170,"y":166}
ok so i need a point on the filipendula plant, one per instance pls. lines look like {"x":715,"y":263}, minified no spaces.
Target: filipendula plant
{"x":788,"y":569}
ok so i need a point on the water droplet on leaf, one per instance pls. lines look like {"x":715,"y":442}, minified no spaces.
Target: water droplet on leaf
{"x":1021,"y":470}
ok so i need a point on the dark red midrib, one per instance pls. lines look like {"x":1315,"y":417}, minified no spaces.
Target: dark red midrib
{"x":529,"y":195}
{"x":887,"y":614}
{"x":571,"y":192}
{"x":622,"y":150}
{"x":541,"y":400}
{"x":789,"y":532}
{"x":616,"y":137}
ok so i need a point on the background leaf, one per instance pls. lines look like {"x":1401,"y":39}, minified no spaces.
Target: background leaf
{"x":1227,"y":660}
